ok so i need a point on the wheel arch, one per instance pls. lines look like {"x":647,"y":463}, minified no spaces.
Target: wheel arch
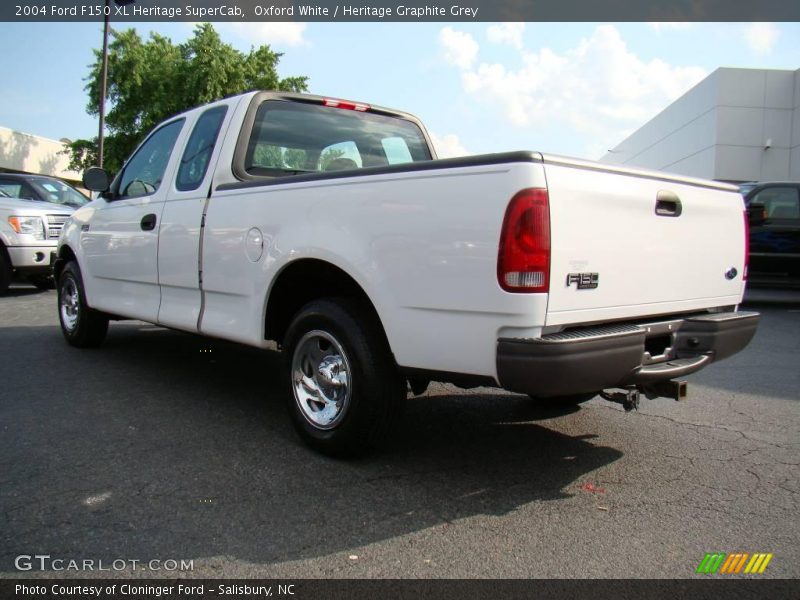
{"x":303,"y":280}
{"x":65,"y":254}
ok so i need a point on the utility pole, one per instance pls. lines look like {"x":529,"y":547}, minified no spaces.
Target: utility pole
{"x":104,"y":76}
{"x":103,"y":86}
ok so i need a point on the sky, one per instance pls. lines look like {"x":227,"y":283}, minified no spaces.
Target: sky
{"x":565,"y":88}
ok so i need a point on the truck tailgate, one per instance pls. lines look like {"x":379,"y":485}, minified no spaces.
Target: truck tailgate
{"x":685,"y":254}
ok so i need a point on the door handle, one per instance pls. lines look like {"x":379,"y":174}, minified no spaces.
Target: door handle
{"x":148,"y":222}
{"x":668,"y":204}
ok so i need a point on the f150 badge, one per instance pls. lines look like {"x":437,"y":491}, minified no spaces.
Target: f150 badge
{"x":584,"y":281}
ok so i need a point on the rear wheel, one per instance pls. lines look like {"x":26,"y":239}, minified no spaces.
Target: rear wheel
{"x":83,"y":327}
{"x":345,"y":391}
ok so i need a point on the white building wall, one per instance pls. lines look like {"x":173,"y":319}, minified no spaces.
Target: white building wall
{"x":794,"y":159}
{"x":735,"y":125}
{"x":33,"y":154}
{"x":679,"y":138}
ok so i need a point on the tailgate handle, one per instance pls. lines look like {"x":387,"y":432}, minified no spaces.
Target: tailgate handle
{"x":668,"y":204}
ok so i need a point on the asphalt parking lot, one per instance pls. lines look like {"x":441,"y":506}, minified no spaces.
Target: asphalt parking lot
{"x":164,"y":446}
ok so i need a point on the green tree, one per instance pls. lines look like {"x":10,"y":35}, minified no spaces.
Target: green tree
{"x":295,"y":158}
{"x":150,"y":80}
{"x":270,"y":156}
{"x":328,"y":156}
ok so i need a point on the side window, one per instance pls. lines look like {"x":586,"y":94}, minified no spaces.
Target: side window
{"x":779,"y":203}
{"x":145,"y":170}
{"x":18,"y":189}
{"x":199,"y":149}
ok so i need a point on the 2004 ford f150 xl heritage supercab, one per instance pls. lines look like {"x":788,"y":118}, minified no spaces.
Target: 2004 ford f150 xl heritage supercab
{"x":330,"y":227}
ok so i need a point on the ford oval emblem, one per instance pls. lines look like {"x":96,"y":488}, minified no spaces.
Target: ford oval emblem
{"x":731,"y":273}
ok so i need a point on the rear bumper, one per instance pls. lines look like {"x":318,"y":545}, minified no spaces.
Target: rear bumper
{"x":597,"y":358}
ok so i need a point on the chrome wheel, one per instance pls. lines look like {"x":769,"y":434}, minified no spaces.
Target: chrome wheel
{"x":70,"y":304}
{"x":321,"y":379}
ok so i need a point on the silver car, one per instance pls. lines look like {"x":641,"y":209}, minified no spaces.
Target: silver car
{"x":33,"y":209}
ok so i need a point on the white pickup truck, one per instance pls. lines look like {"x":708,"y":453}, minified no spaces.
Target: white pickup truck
{"x":330,"y":227}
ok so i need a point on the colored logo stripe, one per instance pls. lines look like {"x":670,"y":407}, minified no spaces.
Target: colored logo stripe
{"x":758,"y":563}
{"x":734,"y":563}
{"x":711,"y":562}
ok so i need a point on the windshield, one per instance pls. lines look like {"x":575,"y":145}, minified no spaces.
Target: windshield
{"x":58,"y":192}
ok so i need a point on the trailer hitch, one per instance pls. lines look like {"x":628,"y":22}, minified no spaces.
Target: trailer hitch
{"x":629,"y":398}
{"x":676,"y":390}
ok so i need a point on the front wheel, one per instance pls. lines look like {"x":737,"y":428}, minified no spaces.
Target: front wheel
{"x":83,"y":327}
{"x":345,"y":390}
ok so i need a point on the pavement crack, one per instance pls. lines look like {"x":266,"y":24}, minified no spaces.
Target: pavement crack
{"x":700,"y":426}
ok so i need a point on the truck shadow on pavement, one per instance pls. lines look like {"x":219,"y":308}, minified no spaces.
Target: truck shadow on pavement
{"x":164,"y":445}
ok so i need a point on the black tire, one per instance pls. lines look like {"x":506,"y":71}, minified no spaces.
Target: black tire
{"x":82,"y":326}
{"x":361,"y":411}
{"x":43,"y":282}
{"x":5,"y":271}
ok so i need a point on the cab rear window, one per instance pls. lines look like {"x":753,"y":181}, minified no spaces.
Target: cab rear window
{"x":290,"y":138}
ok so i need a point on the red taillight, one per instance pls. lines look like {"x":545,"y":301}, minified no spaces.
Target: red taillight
{"x":746,"y":245}
{"x":523,"y":262}
{"x":334,"y":103}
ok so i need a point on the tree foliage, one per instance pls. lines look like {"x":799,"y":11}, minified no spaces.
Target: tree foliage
{"x":150,"y":80}
{"x":329,"y":156}
{"x":271,"y":156}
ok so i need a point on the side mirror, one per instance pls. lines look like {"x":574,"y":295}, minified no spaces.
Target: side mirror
{"x":756,"y":214}
{"x":96,"y":179}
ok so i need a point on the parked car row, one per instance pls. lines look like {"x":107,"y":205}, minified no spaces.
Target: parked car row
{"x":33,"y":209}
{"x":773,"y":210}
